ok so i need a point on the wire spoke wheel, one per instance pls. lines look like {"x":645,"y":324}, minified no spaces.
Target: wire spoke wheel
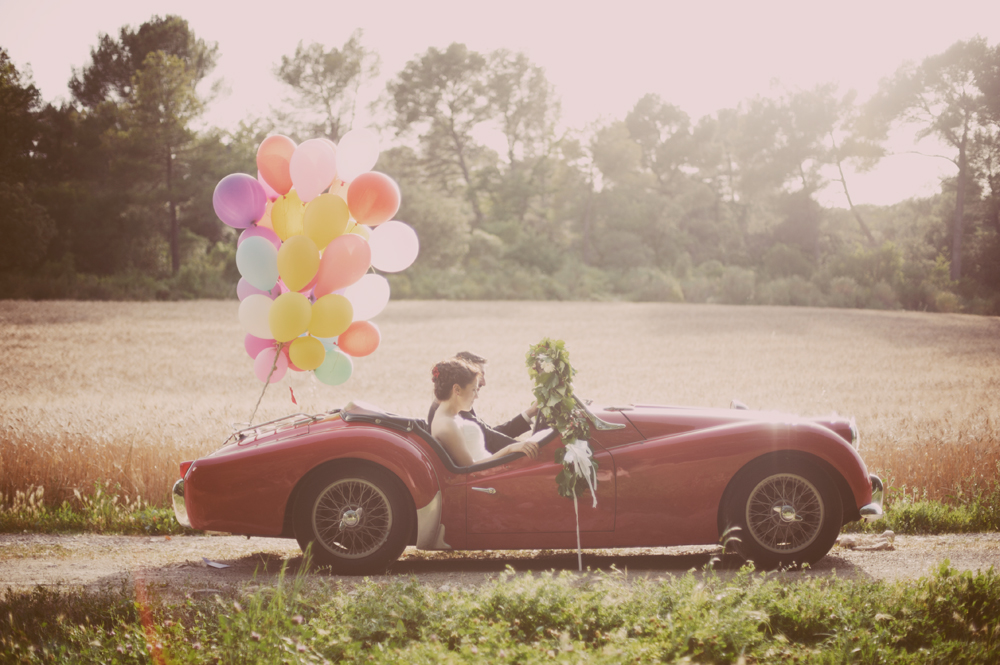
{"x":352,"y":518}
{"x":785,"y":513}
{"x":355,"y":518}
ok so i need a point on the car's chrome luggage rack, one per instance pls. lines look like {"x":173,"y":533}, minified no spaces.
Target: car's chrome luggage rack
{"x":271,"y":426}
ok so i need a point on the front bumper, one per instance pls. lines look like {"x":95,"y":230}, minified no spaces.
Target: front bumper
{"x":180,"y":510}
{"x":873,"y":511}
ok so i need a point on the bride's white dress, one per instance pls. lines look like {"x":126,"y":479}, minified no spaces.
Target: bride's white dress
{"x":475,"y":442}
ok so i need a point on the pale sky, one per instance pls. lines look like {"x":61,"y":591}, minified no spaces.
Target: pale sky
{"x":601,"y":57}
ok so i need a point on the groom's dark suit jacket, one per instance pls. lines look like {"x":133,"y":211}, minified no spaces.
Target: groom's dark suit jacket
{"x":496,"y":437}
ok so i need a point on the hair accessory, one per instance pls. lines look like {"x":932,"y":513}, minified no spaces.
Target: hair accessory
{"x":435,"y":373}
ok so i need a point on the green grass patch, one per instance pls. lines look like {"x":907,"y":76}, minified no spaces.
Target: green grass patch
{"x":910,"y":511}
{"x":747,"y":617}
{"x":101,"y":511}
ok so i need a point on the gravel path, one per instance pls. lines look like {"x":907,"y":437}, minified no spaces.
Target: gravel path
{"x":180,"y":565}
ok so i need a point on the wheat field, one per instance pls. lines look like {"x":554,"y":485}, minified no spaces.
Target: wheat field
{"x":120,"y":393}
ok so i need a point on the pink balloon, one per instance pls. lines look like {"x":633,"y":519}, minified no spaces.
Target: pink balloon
{"x":260,"y":232}
{"x":345,"y":260}
{"x":254,"y":345}
{"x":313,"y":167}
{"x":268,"y":190}
{"x":265,"y":361}
{"x":245,"y":288}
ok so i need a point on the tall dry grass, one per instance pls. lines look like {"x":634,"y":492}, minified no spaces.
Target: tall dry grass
{"x":125,"y":391}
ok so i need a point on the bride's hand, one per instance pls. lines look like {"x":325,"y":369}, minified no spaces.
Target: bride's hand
{"x":529,"y":448}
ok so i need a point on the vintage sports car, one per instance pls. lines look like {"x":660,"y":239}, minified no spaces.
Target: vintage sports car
{"x":358,"y":485}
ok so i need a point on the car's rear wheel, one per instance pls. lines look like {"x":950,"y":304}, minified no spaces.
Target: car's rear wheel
{"x":355,"y":519}
{"x":788,"y":512}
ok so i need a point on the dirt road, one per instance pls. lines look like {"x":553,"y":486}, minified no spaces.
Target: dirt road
{"x":181,"y":565}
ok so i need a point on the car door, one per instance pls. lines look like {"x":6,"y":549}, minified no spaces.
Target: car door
{"x":522,"y":497}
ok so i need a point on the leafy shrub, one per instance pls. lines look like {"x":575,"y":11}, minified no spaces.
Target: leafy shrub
{"x":789,"y":291}
{"x":737,"y":286}
{"x":699,"y":289}
{"x":649,"y":284}
{"x":844,"y":292}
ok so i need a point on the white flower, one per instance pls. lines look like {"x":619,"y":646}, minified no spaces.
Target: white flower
{"x":547,"y":366}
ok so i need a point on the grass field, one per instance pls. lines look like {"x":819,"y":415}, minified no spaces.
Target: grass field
{"x":122,"y":392}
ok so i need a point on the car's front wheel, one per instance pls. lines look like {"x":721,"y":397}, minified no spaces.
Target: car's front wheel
{"x":788,"y":512}
{"x":355,"y":519}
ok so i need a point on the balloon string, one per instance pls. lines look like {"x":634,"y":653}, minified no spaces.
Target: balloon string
{"x":267,"y":382}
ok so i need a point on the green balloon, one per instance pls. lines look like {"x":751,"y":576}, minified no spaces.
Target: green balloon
{"x":336,"y":368}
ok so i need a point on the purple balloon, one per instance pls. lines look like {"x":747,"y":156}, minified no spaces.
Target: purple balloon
{"x":239,"y":200}
{"x":245,"y":288}
{"x":261,"y":232}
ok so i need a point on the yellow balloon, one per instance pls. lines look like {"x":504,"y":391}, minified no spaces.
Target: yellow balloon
{"x":325,"y":218}
{"x":331,"y":315}
{"x":286,"y":215}
{"x":289,"y":316}
{"x":307,"y":353}
{"x":298,"y":261}
{"x":362,"y":230}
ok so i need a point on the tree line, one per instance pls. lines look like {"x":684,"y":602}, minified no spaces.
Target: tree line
{"x":108,"y":195}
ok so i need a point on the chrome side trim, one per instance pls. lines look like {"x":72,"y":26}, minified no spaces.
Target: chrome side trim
{"x":180,"y":510}
{"x":873,"y":511}
{"x":484,"y":490}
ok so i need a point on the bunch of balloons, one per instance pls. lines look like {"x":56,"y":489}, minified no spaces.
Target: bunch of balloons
{"x":317,"y":220}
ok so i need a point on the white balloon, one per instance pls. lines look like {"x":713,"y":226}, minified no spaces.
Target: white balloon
{"x":394,"y":246}
{"x":313,"y":167}
{"x":253,"y":315}
{"x":369,"y":296}
{"x":356,"y":153}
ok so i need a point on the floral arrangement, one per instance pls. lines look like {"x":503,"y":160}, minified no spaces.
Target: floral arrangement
{"x":548,"y":365}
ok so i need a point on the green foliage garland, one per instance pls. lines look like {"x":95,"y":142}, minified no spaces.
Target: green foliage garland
{"x":548,"y":365}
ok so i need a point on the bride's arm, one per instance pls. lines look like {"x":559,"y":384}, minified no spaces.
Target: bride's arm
{"x":529,"y":448}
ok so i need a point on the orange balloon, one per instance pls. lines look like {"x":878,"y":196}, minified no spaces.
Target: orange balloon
{"x":273,"y":156}
{"x":265,"y":221}
{"x":360,"y":339}
{"x":373,"y":198}
{"x":345,"y":260}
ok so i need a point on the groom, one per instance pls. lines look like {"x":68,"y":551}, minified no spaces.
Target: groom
{"x":501,"y":435}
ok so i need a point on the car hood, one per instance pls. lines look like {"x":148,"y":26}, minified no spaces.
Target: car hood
{"x":654,"y":421}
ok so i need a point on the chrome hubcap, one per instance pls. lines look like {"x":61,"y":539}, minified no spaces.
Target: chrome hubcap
{"x":785,"y":513}
{"x":352,"y":518}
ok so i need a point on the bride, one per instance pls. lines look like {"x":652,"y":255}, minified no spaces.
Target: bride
{"x":456,"y":386}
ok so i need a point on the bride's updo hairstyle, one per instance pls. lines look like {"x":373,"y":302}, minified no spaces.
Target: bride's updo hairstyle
{"x":449,"y":372}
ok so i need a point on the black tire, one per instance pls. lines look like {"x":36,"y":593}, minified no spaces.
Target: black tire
{"x":355,"y":519}
{"x":788,"y":513}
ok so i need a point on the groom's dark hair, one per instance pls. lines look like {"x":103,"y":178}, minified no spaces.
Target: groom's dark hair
{"x":470,"y":357}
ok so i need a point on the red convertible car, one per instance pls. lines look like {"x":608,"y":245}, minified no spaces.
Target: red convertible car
{"x":358,"y":485}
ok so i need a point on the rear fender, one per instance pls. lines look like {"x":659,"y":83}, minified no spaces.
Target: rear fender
{"x":378,"y":447}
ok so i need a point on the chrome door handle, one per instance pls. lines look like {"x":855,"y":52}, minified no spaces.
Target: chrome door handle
{"x":485,"y":490}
